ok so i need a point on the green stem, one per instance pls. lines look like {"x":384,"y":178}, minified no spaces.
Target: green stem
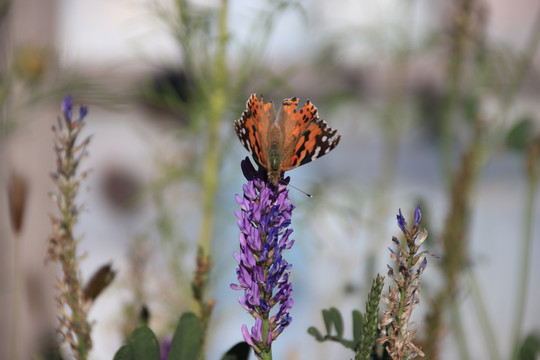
{"x":485,"y":323}
{"x":523,"y":275}
{"x":404,"y":290}
{"x":267,"y":351}
{"x":523,"y":65}
{"x":457,"y":327}
{"x":402,"y":299}
{"x":217,"y":104}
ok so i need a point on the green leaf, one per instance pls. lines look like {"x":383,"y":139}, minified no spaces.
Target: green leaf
{"x":358,"y":324}
{"x":124,"y":353}
{"x":239,"y":351}
{"x":315,"y":333}
{"x":327,"y":317}
{"x":143,"y":344}
{"x":520,"y":134}
{"x":530,"y":348}
{"x":349,"y":344}
{"x":337,"y":319}
{"x":187,"y":339}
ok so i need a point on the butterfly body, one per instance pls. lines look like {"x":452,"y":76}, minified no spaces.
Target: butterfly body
{"x":295,"y":138}
{"x":275,"y":155}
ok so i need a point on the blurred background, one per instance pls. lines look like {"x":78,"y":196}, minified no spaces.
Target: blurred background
{"x":437,"y":104}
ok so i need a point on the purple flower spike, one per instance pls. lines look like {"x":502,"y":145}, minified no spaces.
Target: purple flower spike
{"x":263,"y":273}
{"x":417,"y":216}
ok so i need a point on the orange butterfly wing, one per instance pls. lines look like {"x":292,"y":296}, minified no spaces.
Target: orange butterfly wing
{"x":307,"y":137}
{"x":252,"y":128}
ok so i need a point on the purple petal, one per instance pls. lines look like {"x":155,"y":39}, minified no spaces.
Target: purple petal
{"x":83,"y":111}
{"x":247,"y":336}
{"x":235,"y":287}
{"x":417,"y":216}
{"x":256,"y":330}
{"x":401,"y":221}
{"x":66,"y":108}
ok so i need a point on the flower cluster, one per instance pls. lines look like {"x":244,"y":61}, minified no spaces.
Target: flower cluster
{"x":72,"y":305}
{"x":262,"y":272}
{"x":405,"y":294}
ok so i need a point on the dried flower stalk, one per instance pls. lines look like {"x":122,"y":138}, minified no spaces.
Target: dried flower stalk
{"x":72,"y":304}
{"x":403,"y":297}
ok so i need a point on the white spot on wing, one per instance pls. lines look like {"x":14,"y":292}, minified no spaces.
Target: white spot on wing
{"x":316,"y":153}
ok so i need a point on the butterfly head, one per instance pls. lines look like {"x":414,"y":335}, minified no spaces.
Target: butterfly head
{"x":250,"y":173}
{"x":274,"y":177}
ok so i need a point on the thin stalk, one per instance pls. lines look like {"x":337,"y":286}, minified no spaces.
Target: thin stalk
{"x":217,"y":105}
{"x":16,"y":299}
{"x":455,"y":72}
{"x":457,"y":328}
{"x":483,"y":317}
{"x":523,"y":274}
{"x":524,"y":65}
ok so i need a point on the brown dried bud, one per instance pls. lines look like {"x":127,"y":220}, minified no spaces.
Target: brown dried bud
{"x":99,"y":281}
{"x":17,"y":193}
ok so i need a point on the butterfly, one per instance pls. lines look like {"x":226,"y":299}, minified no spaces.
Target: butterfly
{"x":295,"y":138}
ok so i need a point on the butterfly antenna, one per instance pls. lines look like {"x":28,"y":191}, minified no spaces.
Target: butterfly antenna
{"x":302,"y":191}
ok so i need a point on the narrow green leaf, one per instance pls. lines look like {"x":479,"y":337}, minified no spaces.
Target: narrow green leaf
{"x":349,"y":344}
{"x":337,"y":319}
{"x":124,"y":353}
{"x":315,"y":333}
{"x":239,"y":351}
{"x":357,"y":323}
{"x":187,"y":339}
{"x":143,"y":344}
{"x":327,"y":317}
